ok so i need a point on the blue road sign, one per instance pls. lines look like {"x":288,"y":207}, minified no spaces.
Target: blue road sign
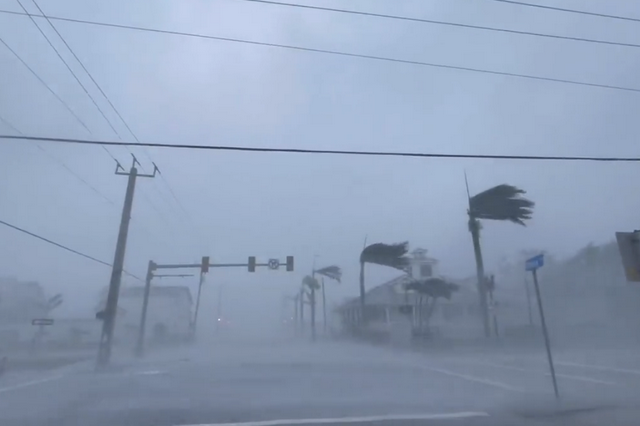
{"x":534,"y":263}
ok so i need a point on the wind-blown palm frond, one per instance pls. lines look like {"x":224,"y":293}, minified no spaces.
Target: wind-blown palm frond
{"x":333,"y":272}
{"x":311,"y":282}
{"x":502,"y":202}
{"x":392,"y":255}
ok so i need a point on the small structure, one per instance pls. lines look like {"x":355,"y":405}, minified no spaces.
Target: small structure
{"x":21,"y":301}
{"x":422,"y":266}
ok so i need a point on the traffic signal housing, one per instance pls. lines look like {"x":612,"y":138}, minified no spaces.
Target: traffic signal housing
{"x":205,"y":264}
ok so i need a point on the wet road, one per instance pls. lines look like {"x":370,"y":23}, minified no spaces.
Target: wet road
{"x":257,"y":383}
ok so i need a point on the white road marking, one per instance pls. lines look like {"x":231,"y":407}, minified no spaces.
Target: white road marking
{"x":30,"y":383}
{"x":600,"y":367}
{"x":148,"y":373}
{"x":484,"y":381}
{"x":566,"y":376}
{"x":364,"y":419}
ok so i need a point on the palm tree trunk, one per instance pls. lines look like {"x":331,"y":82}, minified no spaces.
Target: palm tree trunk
{"x":432,"y":307}
{"x":362,"y":288}
{"x":474,"y":227}
{"x":301,"y":311}
{"x":324,"y":309}
{"x":313,"y":314}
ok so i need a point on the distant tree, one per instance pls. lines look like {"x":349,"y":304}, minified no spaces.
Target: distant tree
{"x":428,"y":292}
{"x":504,"y":203}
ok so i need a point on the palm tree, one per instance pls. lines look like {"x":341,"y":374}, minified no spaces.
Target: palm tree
{"x":504,"y":203}
{"x":428,"y":292}
{"x":311,"y":285}
{"x":391,"y":255}
{"x":332,"y":272}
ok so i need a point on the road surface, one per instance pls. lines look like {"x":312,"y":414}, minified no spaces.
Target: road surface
{"x":283,"y":381}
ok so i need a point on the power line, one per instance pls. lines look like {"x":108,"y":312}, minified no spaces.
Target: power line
{"x":77,"y":176}
{"x":173,"y":194}
{"x":344,"y":54}
{"x":35,"y":74}
{"x":66,"y":64}
{"x":561,"y":9}
{"x":73,"y":173}
{"x":84,"y":88}
{"x":94,"y":82}
{"x":60,"y":163}
{"x":85,"y":69}
{"x":69,"y":68}
{"x":446,"y":23}
{"x":11,"y":126}
{"x":86,"y":256}
{"x":79,"y":82}
{"x":328,"y":151}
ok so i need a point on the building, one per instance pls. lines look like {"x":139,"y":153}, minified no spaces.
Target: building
{"x":392,"y":310}
{"x":21,"y":301}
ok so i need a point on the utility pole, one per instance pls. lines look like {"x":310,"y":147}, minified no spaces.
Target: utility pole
{"x":312,"y":301}
{"x":145,"y":304}
{"x":195,"y":315}
{"x":139,"y":352}
{"x":219,"y":317}
{"x":301,"y":310}
{"x":104,"y":351}
{"x":204,"y":268}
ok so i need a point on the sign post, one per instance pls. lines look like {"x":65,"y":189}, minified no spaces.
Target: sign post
{"x":532,"y":265}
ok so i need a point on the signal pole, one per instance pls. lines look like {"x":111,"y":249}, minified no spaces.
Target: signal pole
{"x":195,"y":315}
{"x":104,"y":352}
{"x":145,"y":304}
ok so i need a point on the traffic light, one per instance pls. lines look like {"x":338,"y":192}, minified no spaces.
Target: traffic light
{"x":205,"y":264}
{"x":252,"y":264}
{"x":289,"y":263}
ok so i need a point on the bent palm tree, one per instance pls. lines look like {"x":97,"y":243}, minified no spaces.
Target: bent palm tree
{"x":312,"y":285}
{"x":391,"y":255}
{"x":332,"y":272}
{"x":504,"y":203}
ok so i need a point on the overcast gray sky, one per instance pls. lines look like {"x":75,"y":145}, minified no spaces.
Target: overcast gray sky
{"x":185,"y":90}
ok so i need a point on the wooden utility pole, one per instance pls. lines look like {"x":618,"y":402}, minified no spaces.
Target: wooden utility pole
{"x":108,"y":325}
